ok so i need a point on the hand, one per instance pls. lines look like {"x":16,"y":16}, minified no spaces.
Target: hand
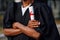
{"x":33,"y":23}
{"x":16,"y":25}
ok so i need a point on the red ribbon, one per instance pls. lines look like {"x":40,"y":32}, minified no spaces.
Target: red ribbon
{"x":31,"y":13}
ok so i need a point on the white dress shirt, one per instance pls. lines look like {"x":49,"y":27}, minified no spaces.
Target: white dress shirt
{"x":24,"y":9}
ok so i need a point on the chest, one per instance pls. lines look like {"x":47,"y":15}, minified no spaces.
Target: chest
{"x":26,"y":17}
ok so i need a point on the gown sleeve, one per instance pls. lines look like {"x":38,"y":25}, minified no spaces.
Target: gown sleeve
{"x":49,"y":29}
{"x":8,"y":16}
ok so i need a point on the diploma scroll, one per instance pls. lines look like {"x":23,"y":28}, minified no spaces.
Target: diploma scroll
{"x":31,"y":11}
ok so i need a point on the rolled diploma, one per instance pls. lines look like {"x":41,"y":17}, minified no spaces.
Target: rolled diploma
{"x":31,"y":11}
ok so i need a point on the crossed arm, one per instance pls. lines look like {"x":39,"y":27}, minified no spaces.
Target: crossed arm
{"x":22,"y":29}
{"x":11,"y":31}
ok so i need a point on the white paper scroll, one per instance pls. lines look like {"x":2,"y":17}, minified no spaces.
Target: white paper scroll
{"x":31,"y":11}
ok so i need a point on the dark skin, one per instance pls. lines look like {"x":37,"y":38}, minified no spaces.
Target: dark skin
{"x":18,"y":28}
{"x":27,"y":30}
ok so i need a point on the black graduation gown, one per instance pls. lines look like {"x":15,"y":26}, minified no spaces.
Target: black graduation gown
{"x":43,"y":1}
{"x":42,"y":12}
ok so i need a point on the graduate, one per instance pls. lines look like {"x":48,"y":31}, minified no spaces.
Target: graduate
{"x":29,"y":21}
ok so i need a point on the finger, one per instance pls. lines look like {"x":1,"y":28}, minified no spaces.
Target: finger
{"x":39,"y":23}
{"x":33,"y":20}
{"x":14,"y":27}
{"x":35,"y":26}
{"x":35,"y":23}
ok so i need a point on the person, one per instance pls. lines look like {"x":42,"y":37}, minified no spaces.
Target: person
{"x":17,"y":24}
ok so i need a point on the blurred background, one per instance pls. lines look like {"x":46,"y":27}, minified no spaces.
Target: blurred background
{"x":54,"y":4}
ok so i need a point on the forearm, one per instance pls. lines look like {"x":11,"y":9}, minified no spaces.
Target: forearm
{"x":29,"y":32}
{"x":11,"y":32}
